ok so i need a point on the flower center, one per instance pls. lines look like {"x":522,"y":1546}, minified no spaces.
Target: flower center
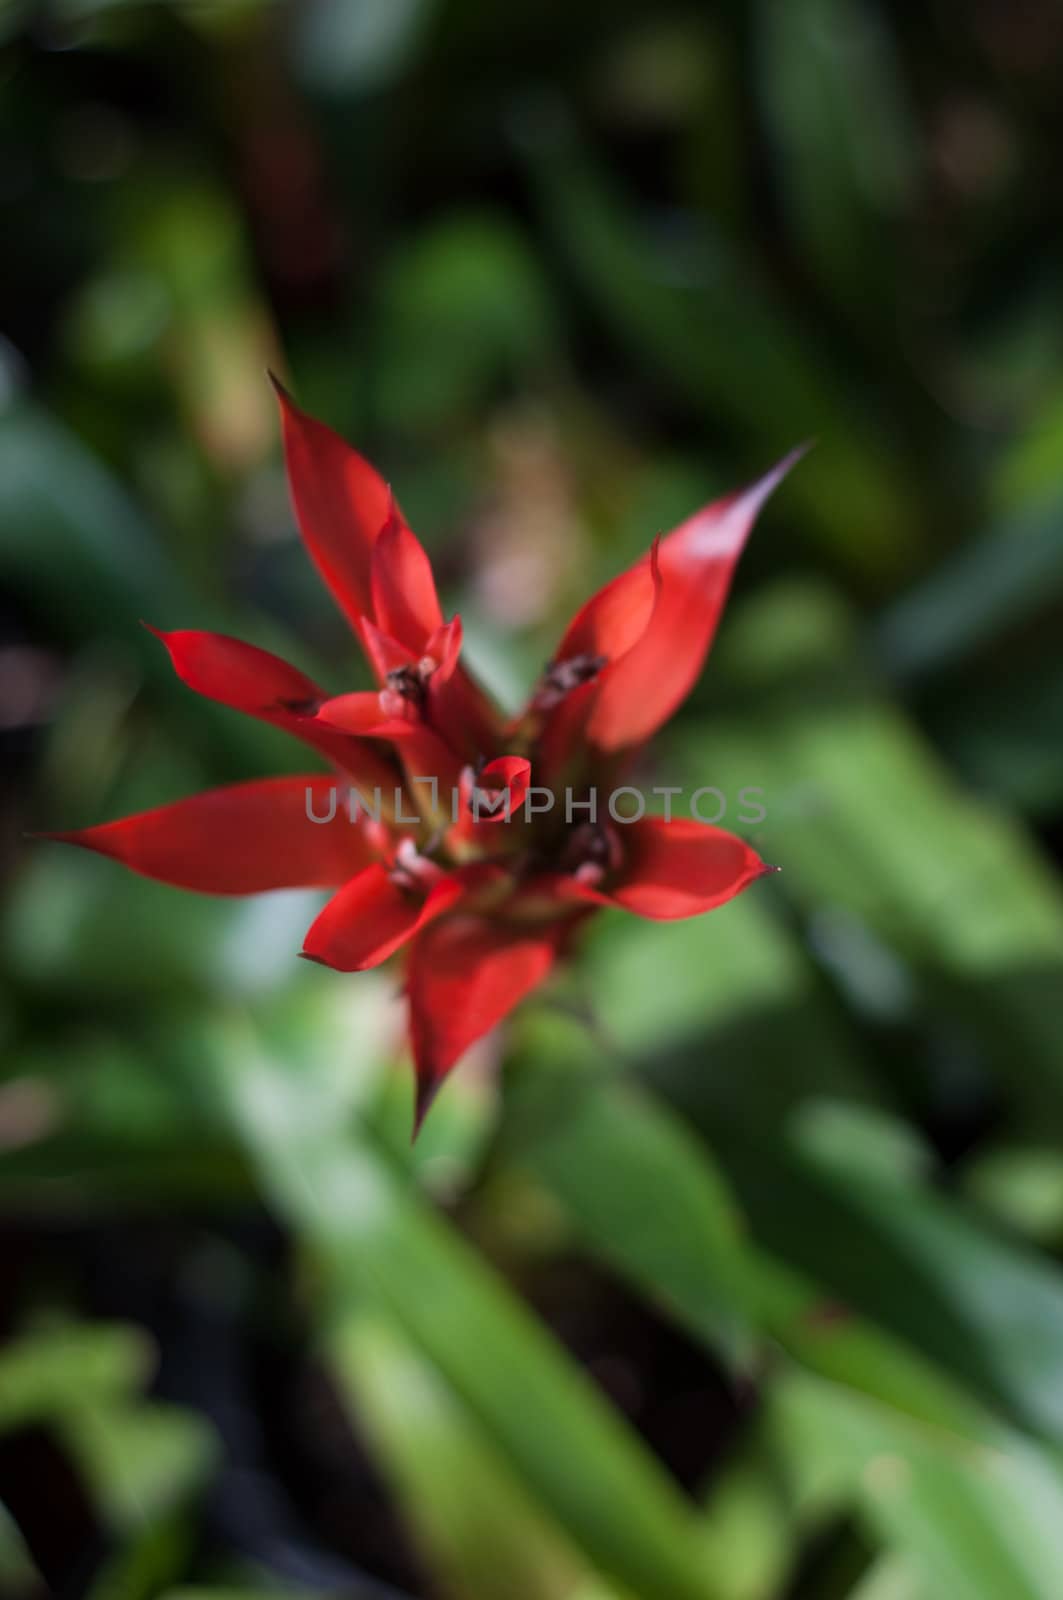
{"x":561,"y":677}
{"x":412,"y":870}
{"x":407,"y":682}
{"x":404,"y":687}
{"x":590,"y":850}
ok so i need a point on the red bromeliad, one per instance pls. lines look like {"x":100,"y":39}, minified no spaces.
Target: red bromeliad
{"x":437,"y":843}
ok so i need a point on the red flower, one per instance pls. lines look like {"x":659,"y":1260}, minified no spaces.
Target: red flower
{"x":461,"y":847}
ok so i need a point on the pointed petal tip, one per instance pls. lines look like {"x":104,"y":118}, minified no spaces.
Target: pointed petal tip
{"x":308,"y":955}
{"x":767,"y":869}
{"x":160,"y":633}
{"x":79,"y":838}
{"x":798,"y":453}
{"x":332,"y":966}
{"x":425,"y":1093}
{"x":56,"y":835}
{"x":755,"y":493}
{"x":279,"y":389}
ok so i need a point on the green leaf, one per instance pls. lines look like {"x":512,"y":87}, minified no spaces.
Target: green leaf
{"x":1020,"y":1187}
{"x":892,"y":1577}
{"x":861,"y":1140}
{"x":751,"y":1528}
{"x":984,"y":1309}
{"x":384,"y":1248}
{"x":637,"y":1188}
{"x":143,"y":1460}
{"x":971,"y":1520}
{"x":751,"y":360}
{"x":864,"y":819}
{"x":844,"y":144}
{"x":87,"y":926}
{"x":466,"y":306}
{"x":1006,"y":575}
{"x":52,"y":1371}
{"x":658,"y":989}
{"x":474,"y":1520}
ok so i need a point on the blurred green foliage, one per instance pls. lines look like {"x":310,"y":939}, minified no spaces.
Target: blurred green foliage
{"x":735,"y":1270}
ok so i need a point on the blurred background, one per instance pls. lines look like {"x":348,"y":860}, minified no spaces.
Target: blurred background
{"x":733,"y":1270}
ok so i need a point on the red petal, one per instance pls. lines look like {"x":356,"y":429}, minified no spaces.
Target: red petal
{"x":262,"y":685}
{"x":236,"y":674}
{"x":405,"y":603}
{"x":605,"y":631}
{"x":612,"y":620}
{"x":340,"y":501}
{"x":444,"y":647}
{"x":676,"y":869}
{"x":371,"y":917}
{"x":466,"y":973}
{"x":360,"y":713}
{"x":640,"y":690}
{"x":512,"y":773}
{"x":242,"y":839}
{"x":387,"y":655}
{"x":462,"y":710}
{"x":384,"y":653}
{"x":562,"y":742}
{"x":423,"y":753}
